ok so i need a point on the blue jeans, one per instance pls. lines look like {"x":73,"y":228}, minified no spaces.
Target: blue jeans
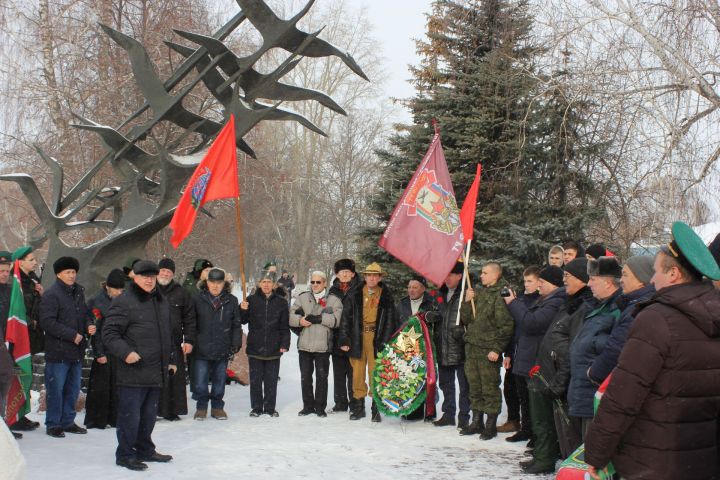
{"x":447,"y":385}
{"x":137,"y":411}
{"x":62,"y":384}
{"x":213,"y":371}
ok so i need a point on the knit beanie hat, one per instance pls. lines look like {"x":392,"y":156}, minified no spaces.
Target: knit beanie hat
{"x":115,"y":279}
{"x":167,"y":263}
{"x":642,"y":267}
{"x":596,"y":250}
{"x":578,"y":269}
{"x":552,"y":274}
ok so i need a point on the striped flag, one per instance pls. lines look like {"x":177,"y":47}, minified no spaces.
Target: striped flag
{"x":18,"y":401}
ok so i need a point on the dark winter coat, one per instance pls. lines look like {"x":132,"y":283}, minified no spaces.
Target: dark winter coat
{"x":528,"y":299}
{"x":449,"y":338}
{"x":64,"y":315}
{"x":554,"y":351}
{"x":533,"y":323}
{"x":658,"y":417}
{"x":139,"y":322}
{"x":182,"y":313}
{"x":31,"y":299}
{"x":607,"y":360}
{"x":351,"y":326}
{"x":5,"y":290}
{"x":403,"y":310}
{"x":219,"y":332}
{"x":268,"y":327}
{"x":589,"y":343}
{"x":99,"y":305}
{"x":337,"y":291}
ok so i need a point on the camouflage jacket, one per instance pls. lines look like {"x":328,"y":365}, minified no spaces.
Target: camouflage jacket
{"x":492,"y":327}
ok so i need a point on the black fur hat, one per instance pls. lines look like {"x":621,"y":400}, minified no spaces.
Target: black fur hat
{"x":66,"y":263}
{"x":604,"y":267}
{"x":344,"y":264}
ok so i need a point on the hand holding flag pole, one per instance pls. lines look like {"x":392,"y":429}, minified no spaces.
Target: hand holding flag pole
{"x":467,"y":219}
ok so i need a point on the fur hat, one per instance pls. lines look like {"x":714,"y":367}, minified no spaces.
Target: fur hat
{"x":66,"y":263}
{"x":344,"y":264}
{"x":642,"y":267}
{"x":115,"y":279}
{"x":552,"y":274}
{"x":146,"y":267}
{"x":168,"y":263}
{"x":604,"y":267}
{"x":578,"y":269}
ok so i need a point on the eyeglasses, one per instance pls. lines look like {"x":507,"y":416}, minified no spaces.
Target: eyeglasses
{"x":315,"y":282}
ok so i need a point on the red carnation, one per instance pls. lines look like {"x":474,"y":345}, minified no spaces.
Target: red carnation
{"x":440,"y":300}
{"x":534,"y":371}
{"x":97,"y":314}
{"x":433,"y":292}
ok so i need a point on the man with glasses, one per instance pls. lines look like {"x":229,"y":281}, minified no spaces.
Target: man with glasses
{"x":317,"y":314}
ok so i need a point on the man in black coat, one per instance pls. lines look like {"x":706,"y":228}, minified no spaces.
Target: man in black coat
{"x":65,"y":318}
{"x":368,"y":322}
{"x":219,"y":337}
{"x":267,"y":314}
{"x":450,"y":352}
{"x":5,"y":289}
{"x":137,"y":333}
{"x":173,"y":398}
{"x":344,"y":284}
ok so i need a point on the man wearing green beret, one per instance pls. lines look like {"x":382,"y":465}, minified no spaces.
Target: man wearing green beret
{"x":658,"y":417}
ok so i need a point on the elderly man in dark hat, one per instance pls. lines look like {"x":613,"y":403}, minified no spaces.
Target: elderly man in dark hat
{"x":658,"y":416}
{"x":345,"y":282}
{"x":368,"y":322}
{"x":173,"y":398}
{"x":138,"y":334}
{"x":101,"y":402}
{"x":65,"y":318}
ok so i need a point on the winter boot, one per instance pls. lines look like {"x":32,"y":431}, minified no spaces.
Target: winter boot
{"x":444,"y":421}
{"x":357,"y":410}
{"x":375,"y":417}
{"x":218,"y":414}
{"x":509,"y":426}
{"x":476,"y":426}
{"x":200,"y":414}
{"x":490,"y":427}
{"x":463,"y":422}
{"x":520,"y":436}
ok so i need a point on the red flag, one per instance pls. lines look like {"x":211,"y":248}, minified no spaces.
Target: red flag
{"x":467,"y":213}
{"x":424,"y":230}
{"x":216,"y":177}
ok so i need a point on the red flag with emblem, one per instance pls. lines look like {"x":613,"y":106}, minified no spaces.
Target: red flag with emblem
{"x":215,"y":178}
{"x":424,"y":230}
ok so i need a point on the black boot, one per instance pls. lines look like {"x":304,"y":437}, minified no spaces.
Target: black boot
{"x":476,"y":426}
{"x":444,"y":421}
{"x":490,"y":427}
{"x":375,"y":417}
{"x":357,"y":409}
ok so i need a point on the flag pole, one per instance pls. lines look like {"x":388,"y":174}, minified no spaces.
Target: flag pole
{"x":241,"y":245}
{"x":466,"y":275}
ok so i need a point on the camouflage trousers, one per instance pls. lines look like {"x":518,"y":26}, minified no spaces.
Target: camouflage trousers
{"x":484,"y":379}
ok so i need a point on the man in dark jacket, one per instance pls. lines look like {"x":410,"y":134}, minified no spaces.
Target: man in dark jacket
{"x":604,"y":273}
{"x":344,"y":284}
{"x":199,"y":272}
{"x":101,"y":401}
{"x":5,"y":289}
{"x":533,"y":323}
{"x":219,"y":337}
{"x":173,"y":399}
{"x":368,"y":323}
{"x":417,"y":301}
{"x":267,"y":315}
{"x":65,"y":318}
{"x":137,"y":333}
{"x":658,"y":417}
{"x":286,"y":282}
{"x":450,"y":352}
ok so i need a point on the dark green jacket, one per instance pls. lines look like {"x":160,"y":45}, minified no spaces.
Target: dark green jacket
{"x":492,"y":327}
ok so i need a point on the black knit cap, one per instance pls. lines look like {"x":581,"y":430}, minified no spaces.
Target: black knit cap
{"x":596,"y":250}
{"x":167,"y":263}
{"x":459,"y":267}
{"x":66,"y":263}
{"x":552,"y":274}
{"x":344,"y":264}
{"x":420,"y":279}
{"x":146,"y":267}
{"x":115,"y":279}
{"x":578,"y":269}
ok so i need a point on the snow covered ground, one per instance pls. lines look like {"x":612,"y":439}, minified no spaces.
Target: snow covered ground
{"x":281,"y":448}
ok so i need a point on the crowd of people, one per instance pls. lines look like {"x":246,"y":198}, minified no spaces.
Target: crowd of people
{"x":648,"y":324}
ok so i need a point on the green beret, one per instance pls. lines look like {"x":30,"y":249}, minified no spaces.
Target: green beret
{"x":5,"y":257}
{"x":21,"y":252}
{"x":689,"y":249}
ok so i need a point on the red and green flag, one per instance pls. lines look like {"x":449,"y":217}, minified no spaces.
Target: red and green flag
{"x":18,"y":339}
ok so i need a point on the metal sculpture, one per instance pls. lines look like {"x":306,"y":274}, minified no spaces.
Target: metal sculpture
{"x":150,"y":184}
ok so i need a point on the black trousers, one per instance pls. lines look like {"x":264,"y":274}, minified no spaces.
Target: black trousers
{"x":263,"y":384}
{"x":342,"y":380}
{"x":522,"y":393}
{"x":320,"y":364}
{"x":173,"y":397}
{"x":512,"y":400}
{"x":101,"y":403}
{"x":137,"y":411}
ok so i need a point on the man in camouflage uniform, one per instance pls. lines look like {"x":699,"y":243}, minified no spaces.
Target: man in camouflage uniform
{"x":486,"y":335}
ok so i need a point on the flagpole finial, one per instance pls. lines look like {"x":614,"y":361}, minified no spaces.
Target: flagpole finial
{"x":436,"y":126}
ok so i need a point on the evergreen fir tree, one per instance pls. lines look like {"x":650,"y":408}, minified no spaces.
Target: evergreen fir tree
{"x":478,"y":78}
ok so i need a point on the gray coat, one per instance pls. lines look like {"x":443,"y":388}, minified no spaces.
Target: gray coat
{"x":318,"y":337}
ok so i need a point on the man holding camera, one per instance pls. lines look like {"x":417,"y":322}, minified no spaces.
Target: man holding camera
{"x":486,"y":336}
